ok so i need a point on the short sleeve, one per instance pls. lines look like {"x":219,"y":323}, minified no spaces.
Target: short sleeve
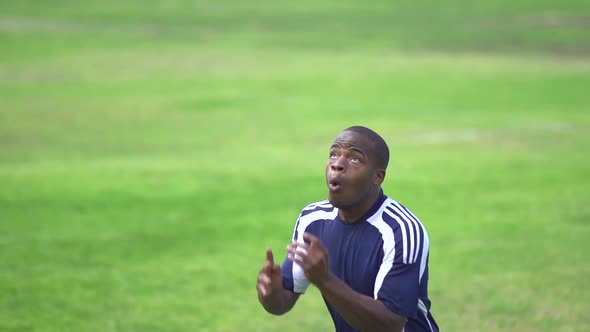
{"x":293,"y":276}
{"x":406,"y":247}
{"x":400,"y":289}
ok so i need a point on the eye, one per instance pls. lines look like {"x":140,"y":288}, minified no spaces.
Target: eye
{"x":354,"y":159}
{"x":333,"y":155}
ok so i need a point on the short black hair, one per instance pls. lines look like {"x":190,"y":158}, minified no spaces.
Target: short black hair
{"x":380,"y":148}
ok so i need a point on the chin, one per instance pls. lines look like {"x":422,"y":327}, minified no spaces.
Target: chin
{"x":334,"y":203}
{"x":337,"y":203}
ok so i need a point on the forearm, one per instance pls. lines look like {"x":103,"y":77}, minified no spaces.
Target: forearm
{"x":279,"y":302}
{"x":362,"y":312}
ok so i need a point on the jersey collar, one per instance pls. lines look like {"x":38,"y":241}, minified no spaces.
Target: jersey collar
{"x":374,"y":208}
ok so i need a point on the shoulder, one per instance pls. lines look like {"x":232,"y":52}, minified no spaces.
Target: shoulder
{"x":314,"y":208}
{"x":396,"y":215}
{"x":403,"y":233}
{"x":314,"y":212}
{"x":322,"y":210}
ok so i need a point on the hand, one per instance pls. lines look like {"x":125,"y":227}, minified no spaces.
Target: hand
{"x":270,"y":277}
{"x":313,"y":258}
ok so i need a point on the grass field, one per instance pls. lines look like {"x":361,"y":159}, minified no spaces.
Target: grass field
{"x":150,"y":152}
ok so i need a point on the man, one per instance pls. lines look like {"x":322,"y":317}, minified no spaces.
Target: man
{"x":365,"y":252}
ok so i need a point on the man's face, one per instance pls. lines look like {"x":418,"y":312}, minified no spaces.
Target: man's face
{"x":351,"y":171}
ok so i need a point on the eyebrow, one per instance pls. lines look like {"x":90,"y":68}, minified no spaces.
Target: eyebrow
{"x":352,"y":148}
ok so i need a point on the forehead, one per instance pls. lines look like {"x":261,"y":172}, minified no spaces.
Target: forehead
{"x":351,"y":139}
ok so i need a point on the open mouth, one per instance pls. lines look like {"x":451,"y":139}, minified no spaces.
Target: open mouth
{"x":335,"y":184}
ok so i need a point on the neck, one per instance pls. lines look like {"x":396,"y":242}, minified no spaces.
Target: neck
{"x":352,"y":214}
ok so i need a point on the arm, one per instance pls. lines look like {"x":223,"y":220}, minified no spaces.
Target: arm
{"x":274,"y":298}
{"x":362,"y":312}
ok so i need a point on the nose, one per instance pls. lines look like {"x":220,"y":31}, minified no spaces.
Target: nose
{"x":336,"y":165}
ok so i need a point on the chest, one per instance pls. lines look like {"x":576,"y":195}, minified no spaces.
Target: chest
{"x":356,"y":252}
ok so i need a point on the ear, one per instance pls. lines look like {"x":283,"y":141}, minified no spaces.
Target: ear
{"x":379,"y":176}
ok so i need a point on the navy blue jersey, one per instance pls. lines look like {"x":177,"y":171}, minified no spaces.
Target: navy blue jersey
{"x":383,"y":255}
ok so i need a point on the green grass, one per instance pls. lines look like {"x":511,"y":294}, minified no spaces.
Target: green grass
{"x":150,"y":153}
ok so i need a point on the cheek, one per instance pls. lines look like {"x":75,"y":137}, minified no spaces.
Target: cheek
{"x":363,"y":180}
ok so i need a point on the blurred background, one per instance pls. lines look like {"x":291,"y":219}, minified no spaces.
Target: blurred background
{"x":151,"y":151}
